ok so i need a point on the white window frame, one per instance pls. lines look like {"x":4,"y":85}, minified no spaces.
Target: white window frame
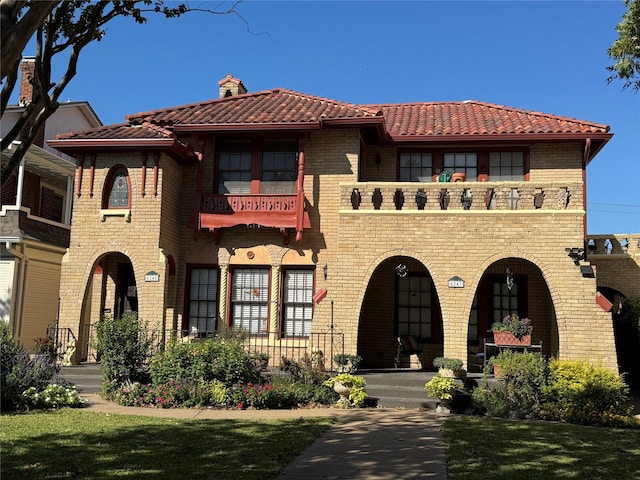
{"x":250,"y":299}
{"x":297,"y":302}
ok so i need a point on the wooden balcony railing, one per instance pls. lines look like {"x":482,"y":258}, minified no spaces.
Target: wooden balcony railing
{"x":265,"y":210}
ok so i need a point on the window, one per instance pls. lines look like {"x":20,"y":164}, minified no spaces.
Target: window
{"x":270,"y":163}
{"x":116,"y":193}
{"x":298,"y":302}
{"x":414,"y":306}
{"x":203,"y":299}
{"x":250,"y":299}
{"x":503,"y":300}
{"x":462,"y":163}
{"x":51,"y":204}
{"x":473,"y":321}
{"x":416,"y":167}
{"x":234,"y":167}
{"x":279,"y":166}
{"x":505,"y":166}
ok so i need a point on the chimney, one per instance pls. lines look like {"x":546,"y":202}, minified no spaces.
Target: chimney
{"x":230,"y":86}
{"x":28,"y":68}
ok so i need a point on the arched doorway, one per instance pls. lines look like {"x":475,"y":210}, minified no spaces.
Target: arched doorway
{"x":624,"y":314}
{"x":400,"y":299}
{"x":111,"y":291}
{"x":512,"y":285}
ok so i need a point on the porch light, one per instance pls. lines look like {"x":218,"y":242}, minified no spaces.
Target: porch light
{"x":576,"y":254}
{"x":509,"y":279}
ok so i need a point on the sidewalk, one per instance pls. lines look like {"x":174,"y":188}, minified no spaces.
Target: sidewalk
{"x":371,"y":444}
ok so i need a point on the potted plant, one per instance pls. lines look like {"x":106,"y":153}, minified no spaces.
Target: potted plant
{"x":443,"y":389}
{"x":449,"y":367}
{"x":512,"y":331}
{"x":347,"y":363}
{"x":351,"y":389}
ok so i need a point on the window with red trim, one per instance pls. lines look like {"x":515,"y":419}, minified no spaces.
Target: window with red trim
{"x":117,"y":191}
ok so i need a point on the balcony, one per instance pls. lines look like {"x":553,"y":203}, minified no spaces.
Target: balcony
{"x":460,"y":197}
{"x":264,"y":210}
{"x":613,"y":245}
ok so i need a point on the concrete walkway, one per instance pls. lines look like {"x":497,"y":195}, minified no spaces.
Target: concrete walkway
{"x":371,"y":444}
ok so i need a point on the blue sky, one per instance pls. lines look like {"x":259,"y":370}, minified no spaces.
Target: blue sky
{"x":544,"y":56}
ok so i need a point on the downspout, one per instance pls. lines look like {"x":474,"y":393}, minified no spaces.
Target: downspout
{"x":19,"y":290}
{"x":300,"y":194}
{"x":585,"y":159}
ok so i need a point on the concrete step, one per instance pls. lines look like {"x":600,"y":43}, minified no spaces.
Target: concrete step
{"x":399,"y":388}
{"x":86,"y":377}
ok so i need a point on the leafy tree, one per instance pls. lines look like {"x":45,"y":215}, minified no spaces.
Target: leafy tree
{"x":60,"y":27}
{"x":625,"y":51}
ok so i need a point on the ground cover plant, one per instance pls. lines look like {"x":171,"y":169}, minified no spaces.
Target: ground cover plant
{"x":482,"y":447}
{"x":125,"y":446}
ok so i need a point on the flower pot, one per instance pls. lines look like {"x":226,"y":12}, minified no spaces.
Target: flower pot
{"x":341,"y":389}
{"x":508,"y":339}
{"x":458,"y":177}
{"x":497,"y":373}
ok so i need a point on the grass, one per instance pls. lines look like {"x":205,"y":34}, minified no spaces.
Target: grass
{"x":85,"y":445}
{"x":521,"y":450}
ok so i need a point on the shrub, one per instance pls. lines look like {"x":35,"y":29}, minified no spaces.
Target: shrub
{"x":519,"y":394}
{"x":441,"y":387}
{"x":216,"y":359}
{"x":583,"y":393}
{"x":53,"y":396}
{"x":309,"y":370}
{"x":124,"y":347}
{"x":347,"y":363}
{"x":19,"y":372}
{"x":447,"y":363}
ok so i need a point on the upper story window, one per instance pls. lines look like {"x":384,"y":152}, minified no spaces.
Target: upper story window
{"x":279,"y":166}
{"x":253,"y":166}
{"x":462,"y":163}
{"x":504,"y":166}
{"x":234,"y":166}
{"x":416,"y":167}
{"x":117,"y":189}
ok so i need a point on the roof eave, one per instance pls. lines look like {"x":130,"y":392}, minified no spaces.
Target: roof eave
{"x":527,"y":137}
{"x":175,"y":149}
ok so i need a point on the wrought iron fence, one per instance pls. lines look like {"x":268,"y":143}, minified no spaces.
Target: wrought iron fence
{"x":320,"y":348}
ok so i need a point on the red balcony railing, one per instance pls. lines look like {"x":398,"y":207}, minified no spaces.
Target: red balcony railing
{"x":266,"y":210}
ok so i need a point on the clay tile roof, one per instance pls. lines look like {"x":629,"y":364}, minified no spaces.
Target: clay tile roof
{"x":475,"y":118}
{"x":278,"y":106}
{"x":121,"y":131}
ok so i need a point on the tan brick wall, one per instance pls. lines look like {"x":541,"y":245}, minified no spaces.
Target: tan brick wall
{"x":353,"y":244}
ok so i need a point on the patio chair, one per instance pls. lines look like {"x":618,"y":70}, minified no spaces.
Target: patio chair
{"x":407,"y":345}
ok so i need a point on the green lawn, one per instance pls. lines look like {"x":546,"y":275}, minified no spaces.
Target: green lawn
{"x":85,"y":445}
{"x":479,"y":448}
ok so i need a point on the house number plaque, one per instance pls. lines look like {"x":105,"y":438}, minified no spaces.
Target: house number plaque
{"x":456,"y":282}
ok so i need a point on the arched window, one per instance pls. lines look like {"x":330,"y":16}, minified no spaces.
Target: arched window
{"x":117,"y":189}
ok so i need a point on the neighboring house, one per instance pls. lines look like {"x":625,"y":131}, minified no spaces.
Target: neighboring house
{"x":35,"y":219}
{"x":296,"y":217}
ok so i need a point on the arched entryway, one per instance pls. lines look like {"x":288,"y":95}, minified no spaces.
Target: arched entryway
{"x":512,"y":285}
{"x":400,"y":299}
{"x":624,"y":314}
{"x":112,"y":291}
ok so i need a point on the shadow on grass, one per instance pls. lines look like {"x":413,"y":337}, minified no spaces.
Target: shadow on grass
{"x":84,"y":445}
{"x":504,"y":449}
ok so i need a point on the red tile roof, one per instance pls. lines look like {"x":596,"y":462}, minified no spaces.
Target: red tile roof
{"x":281,"y":108}
{"x":271,"y":106}
{"x":475,"y":118}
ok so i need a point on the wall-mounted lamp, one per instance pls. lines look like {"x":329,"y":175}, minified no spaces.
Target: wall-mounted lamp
{"x":576,"y":254}
{"x":378,"y":160}
{"x":509,"y":279}
{"x":325,"y":271}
